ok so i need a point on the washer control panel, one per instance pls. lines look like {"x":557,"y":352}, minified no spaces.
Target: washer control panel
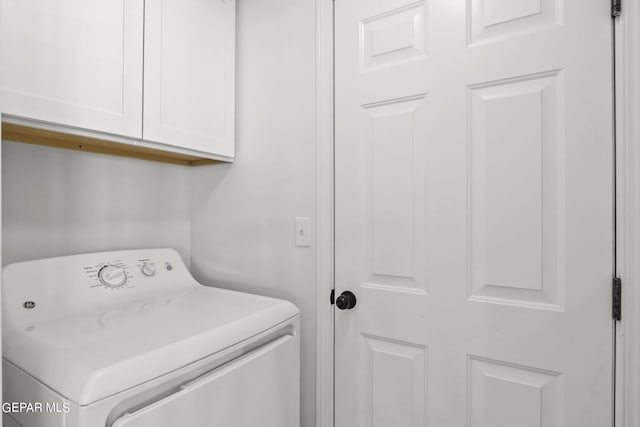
{"x":37,"y":290}
{"x":117,"y":274}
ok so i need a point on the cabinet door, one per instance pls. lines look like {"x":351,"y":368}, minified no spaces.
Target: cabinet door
{"x":189,"y":74}
{"x":73,"y":62}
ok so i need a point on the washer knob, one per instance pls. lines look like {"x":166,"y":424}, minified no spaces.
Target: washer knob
{"x":148,"y":270}
{"x":112,"y":276}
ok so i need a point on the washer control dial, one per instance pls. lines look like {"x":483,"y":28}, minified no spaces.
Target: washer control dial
{"x":112,"y":276}
{"x":148,"y":270}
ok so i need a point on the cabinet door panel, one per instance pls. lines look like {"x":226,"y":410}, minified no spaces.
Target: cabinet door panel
{"x":73,"y":62}
{"x":189,"y":75}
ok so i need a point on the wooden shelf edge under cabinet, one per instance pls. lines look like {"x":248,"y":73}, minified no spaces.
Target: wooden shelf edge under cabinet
{"x":99,"y":144}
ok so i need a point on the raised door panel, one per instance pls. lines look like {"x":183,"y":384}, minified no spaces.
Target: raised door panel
{"x":534,"y":396}
{"x":73,"y":62}
{"x":516,"y":192}
{"x":189,"y":74}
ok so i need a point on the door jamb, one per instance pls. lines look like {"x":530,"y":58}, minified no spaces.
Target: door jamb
{"x":627,"y":375}
{"x":324,"y":214}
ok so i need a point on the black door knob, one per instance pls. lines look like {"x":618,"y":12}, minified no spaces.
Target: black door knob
{"x":346,"y":301}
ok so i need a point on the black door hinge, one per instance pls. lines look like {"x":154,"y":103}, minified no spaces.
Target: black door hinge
{"x":616,"y":8}
{"x":617,"y":298}
{"x":332,"y":297}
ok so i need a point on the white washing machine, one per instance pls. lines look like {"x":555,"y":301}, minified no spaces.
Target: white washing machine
{"x":130,"y":339}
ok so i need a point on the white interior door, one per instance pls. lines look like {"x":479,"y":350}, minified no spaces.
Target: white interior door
{"x":473,"y":213}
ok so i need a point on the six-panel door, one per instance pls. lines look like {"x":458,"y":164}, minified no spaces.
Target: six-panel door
{"x":473,"y":213}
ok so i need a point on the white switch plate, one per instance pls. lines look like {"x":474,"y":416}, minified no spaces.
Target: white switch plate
{"x":303,"y":231}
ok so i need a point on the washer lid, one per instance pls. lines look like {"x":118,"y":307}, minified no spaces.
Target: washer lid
{"x":87,"y":357}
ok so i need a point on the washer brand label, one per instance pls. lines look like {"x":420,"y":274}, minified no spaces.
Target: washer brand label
{"x":35,"y":407}
{"x":29,"y":304}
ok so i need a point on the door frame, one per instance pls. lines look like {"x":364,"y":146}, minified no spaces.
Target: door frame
{"x":627,"y":343}
{"x":627,"y":375}
{"x":324,"y":214}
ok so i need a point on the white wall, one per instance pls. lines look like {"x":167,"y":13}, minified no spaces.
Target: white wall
{"x":243,"y":214}
{"x":59,"y":202}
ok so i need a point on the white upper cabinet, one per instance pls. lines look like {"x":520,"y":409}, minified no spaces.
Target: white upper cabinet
{"x":189,"y":74}
{"x":160,"y":73}
{"x":73,"y":62}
